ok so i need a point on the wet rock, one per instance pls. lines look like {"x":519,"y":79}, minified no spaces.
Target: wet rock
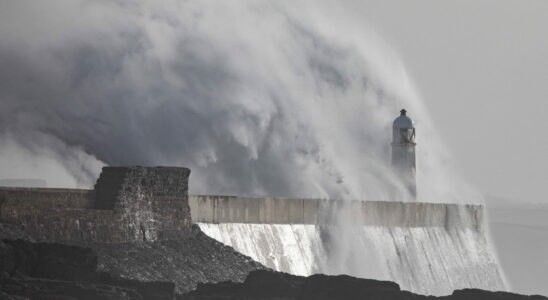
{"x":151,"y":270}
{"x":48,"y":260}
{"x":185,"y":262}
{"x":55,"y":271}
{"x":33,"y":288}
{"x":271,"y":285}
{"x":467,"y":294}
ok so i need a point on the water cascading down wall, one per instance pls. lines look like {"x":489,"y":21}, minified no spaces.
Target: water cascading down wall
{"x":428,"y":248}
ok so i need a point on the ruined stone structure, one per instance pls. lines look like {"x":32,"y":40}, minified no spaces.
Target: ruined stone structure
{"x":128,"y":204}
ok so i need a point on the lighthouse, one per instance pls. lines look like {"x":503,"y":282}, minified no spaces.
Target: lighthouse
{"x":403,"y":151}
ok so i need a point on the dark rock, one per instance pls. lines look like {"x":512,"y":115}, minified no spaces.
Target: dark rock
{"x":321,"y":286}
{"x":185,"y":262}
{"x":274,"y":284}
{"x":147,"y":290}
{"x":5,"y":296}
{"x":55,"y":271}
{"x":270,"y":285}
{"x":467,"y":294}
{"x":12,"y":232}
{"x":153,"y":270}
{"x":48,"y":260}
{"x":32,"y":288}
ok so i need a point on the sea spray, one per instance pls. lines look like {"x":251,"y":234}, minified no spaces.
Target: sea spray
{"x":257,"y":98}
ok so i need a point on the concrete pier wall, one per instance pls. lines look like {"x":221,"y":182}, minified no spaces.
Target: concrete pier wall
{"x":428,"y":248}
{"x":232,"y":209}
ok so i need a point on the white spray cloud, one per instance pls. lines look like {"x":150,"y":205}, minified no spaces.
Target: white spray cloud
{"x":256,"y":97}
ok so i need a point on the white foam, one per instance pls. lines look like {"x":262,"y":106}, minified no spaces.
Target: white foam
{"x":426,"y":260}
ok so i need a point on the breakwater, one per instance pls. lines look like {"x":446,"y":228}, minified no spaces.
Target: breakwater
{"x":428,"y":248}
{"x":147,"y":214}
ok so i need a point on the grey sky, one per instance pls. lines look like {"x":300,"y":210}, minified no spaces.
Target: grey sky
{"x":482,"y":70}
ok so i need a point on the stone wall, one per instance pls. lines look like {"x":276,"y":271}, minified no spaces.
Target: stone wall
{"x":14,"y":200}
{"x":128,"y":204}
{"x":152,"y":203}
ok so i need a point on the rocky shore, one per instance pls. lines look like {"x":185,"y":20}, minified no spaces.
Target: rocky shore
{"x":39,"y":270}
{"x":270,"y":285}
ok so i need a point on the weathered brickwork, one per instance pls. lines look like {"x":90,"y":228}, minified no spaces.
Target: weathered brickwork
{"x":128,"y":204}
{"x":152,"y":202}
{"x":22,"y":199}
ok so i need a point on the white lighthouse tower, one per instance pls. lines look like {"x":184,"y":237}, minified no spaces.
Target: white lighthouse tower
{"x":403,"y":151}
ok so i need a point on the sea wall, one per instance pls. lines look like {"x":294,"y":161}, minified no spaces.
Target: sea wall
{"x":428,"y":248}
{"x":128,"y":204}
{"x":232,"y":209}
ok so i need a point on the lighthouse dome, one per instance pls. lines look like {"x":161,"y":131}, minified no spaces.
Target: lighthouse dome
{"x":403,"y":121}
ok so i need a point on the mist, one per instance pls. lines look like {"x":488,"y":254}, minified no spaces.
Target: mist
{"x":256,"y":97}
